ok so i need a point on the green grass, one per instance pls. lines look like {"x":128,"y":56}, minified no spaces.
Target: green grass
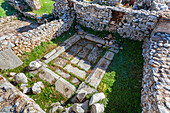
{"x":122,"y":80}
{"x":46,"y":7}
{"x":6,"y":9}
{"x":123,"y":91}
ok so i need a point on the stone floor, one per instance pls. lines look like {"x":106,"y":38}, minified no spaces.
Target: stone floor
{"x":76,"y":63}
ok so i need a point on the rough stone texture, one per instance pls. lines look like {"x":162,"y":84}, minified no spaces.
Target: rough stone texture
{"x":85,"y":51}
{"x":48,"y":75}
{"x":62,"y":73}
{"x":8,"y":60}
{"x":26,"y":41}
{"x":65,"y":87}
{"x":36,"y":88}
{"x":12,"y":100}
{"x":109,"y":55}
{"x":75,"y":60}
{"x":97,"y":108}
{"x":84,"y":64}
{"x":109,"y":2}
{"x":95,"y":53}
{"x":156,"y":70}
{"x":96,"y":98}
{"x":76,"y":71}
{"x":61,"y":62}
{"x":20,"y":78}
{"x":34,"y":4}
{"x":84,"y":86}
{"x":81,"y":108}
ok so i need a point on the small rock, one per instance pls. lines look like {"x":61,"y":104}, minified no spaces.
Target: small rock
{"x":40,"y":84}
{"x":110,"y":43}
{"x":110,"y":35}
{"x":107,"y":42}
{"x":99,"y":45}
{"x":60,"y":108}
{"x":34,"y":65}
{"x":26,"y":90}
{"x":56,"y":104}
{"x":11,"y":74}
{"x":104,"y":47}
{"x":121,"y":48}
{"x":80,"y":32}
{"x":81,"y":108}
{"x":54,"y":109}
{"x":22,"y":86}
{"x":81,"y":95}
{"x":36,"y":88}
{"x":97,"y":108}
{"x":20,"y":78}
{"x":96,"y":97}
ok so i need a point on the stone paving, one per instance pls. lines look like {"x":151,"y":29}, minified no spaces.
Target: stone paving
{"x":77,"y":62}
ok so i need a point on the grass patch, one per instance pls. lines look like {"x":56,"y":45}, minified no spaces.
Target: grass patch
{"x":6,"y":9}
{"x":46,"y":7}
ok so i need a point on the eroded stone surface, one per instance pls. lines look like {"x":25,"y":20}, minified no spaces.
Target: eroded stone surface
{"x":67,"y":55}
{"x":76,"y":71}
{"x":75,"y":60}
{"x":61,"y":62}
{"x":84,"y":64}
{"x":65,"y":87}
{"x":62,"y":73}
{"x":109,"y":55}
{"x":48,"y":75}
{"x":95,"y":53}
{"x":85,"y":51}
{"x":75,"y":49}
{"x":84,"y":86}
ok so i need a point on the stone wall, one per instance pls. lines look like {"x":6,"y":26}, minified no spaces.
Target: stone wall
{"x":12,"y":100}
{"x":152,"y":4}
{"x":109,"y":2}
{"x":28,"y":40}
{"x":156,"y":79}
{"x":134,"y":24}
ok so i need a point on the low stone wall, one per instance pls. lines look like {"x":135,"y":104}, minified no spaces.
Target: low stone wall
{"x":28,"y":40}
{"x":109,"y":2}
{"x":156,"y":79}
{"x":134,"y":24}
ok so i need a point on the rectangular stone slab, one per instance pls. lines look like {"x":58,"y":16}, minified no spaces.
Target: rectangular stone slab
{"x":48,"y":75}
{"x":109,"y":55}
{"x":9,"y":60}
{"x":84,"y":64}
{"x":61,"y":62}
{"x":114,"y":50}
{"x":95,"y":77}
{"x":76,"y":71}
{"x":75,"y":49}
{"x":64,"y":87}
{"x":95,"y":53}
{"x":94,"y":38}
{"x":62,"y":73}
{"x":85,"y":50}
{"x":103,"y":64}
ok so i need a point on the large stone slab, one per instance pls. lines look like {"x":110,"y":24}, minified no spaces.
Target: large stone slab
{"x":62,"y":73}
{"x":48,"y":75}
{"x":85,"y":51}
{"x":109,"y":55}
{"x":67,"y":55}
{"x":95,"y":77}
{"x":75,"y":49}
{"x":72,"y":40}
{"x":83,"y":42}
{"x":75,"y":60}
{"x":94,"y":38}
{"x":8,"y":60}
{"x":95,"y":53}
{"x":65,"y":87}
{"x":59,"y":50}
{"x":84,"y":64}
{"x":61,"y":62}
{"x":103,"y":64}
{"x":76,"y":71}
{"x":114,"y":50}
{"x":84,"y":86}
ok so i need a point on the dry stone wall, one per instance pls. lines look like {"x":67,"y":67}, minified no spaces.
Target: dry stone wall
{"x":156,"y":79}
{"x":134,"y":24}
{"x":28,"y":40}
{"x":12,"y":100}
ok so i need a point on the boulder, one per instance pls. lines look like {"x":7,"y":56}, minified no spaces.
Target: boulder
{"x":20,"y":78}
{"x":36,"y":88}
{"x":81,"y":108}
{"x":97,"y":108}
{"x":34,"y":65}
{"x":96,"y":97}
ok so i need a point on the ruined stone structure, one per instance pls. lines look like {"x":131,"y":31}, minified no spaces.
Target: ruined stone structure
{"x":34,"y":4}
{"x":149,"y":25}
